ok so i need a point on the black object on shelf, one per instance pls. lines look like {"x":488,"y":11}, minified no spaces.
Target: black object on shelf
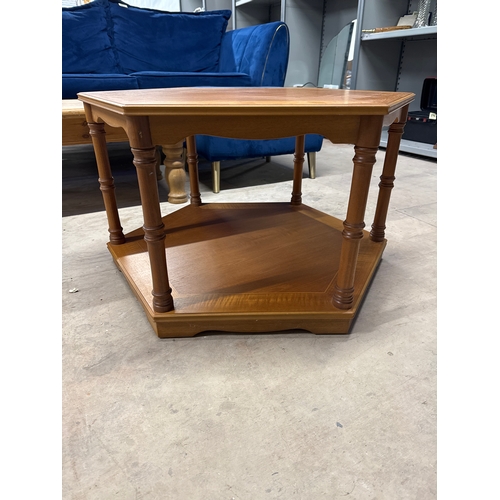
{"x":421,"y":126}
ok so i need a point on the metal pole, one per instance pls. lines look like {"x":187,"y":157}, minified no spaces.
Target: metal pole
{"x":357,"y":45}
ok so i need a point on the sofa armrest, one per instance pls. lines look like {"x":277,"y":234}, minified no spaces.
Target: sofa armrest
{"x":259,"y":51}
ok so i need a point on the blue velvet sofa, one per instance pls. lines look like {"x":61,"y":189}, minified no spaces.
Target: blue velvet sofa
{"x":107,"y":45}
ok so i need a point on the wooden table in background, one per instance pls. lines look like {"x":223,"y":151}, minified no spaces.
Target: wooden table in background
{"x":248,"y":267}
{"x":75,"y":131}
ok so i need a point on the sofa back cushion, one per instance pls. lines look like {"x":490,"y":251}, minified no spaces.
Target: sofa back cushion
{"x":151,"y":40}
{"x":86,"y":42}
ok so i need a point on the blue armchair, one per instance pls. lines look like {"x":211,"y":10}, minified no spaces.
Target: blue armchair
{"x":217,"y":149}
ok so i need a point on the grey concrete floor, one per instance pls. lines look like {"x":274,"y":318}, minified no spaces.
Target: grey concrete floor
{"x":250,"y":416}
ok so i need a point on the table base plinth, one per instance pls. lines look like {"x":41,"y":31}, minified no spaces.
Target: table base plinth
{"x":248,"y":267}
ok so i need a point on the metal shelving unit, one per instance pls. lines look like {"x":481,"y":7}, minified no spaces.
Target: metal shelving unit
{"x":304,"y":19}
{"x":394,"y":60}
{"x":391,"y":60}
{"x":412,"y":32}
{"x":416,"y":148}
{"x":249,"y":12}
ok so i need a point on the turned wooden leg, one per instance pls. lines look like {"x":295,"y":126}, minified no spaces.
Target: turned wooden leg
{"x":387,"y":180}
{"x":175,"y":175}
{"x":106,"y":182}
{"x":154,"y":230}
{"x":192,"y":161}
{"x":364,"y":159}
{"x":298,"y":163}
{"x":159,"y":175}
{"x":216,"y":176}
{"x":311,"y":162}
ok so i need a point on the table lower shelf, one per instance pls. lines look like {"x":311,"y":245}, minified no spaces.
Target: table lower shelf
{"x":248,"y":267}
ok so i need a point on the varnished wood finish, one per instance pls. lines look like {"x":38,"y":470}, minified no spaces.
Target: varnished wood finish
{"x":251,"y":267}
{"x":154,"y":230}
{"x":364,"y":159}
{"x":248,"y":101}
{"x":106,"y":182}
{"x":192,"y":161}
{"x":387,"y":178}
{"x":75,"y":129}
{"x":175,"y":174}
{"x":248,"y":113}
{"x":298,"y":165}
{"x":248,"y":267}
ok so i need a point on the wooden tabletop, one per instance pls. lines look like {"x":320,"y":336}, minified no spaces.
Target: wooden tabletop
{"x":247,"y":101}
{"x":72,"y":107}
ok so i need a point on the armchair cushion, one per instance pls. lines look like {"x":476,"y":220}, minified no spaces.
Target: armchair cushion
{"x":220,"y":149}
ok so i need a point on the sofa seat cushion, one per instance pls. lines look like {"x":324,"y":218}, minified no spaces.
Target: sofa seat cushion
{"x":158,"y":79}
{"x":86,"y":43}
{"x":72,"y":84}
{"x":150,"y":40}
{"x":220,"y":149}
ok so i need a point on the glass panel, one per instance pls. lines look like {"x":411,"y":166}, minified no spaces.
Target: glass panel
{"x":334,"y":68}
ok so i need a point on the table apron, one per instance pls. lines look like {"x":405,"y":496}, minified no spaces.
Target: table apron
{"x":338,"y":129}
{"x":164,"y":129}
{"x":95,"y":114}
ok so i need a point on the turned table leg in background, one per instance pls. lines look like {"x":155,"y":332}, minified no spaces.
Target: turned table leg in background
{"x":106,"y":182}
{"x":159,"y":175}
{"x":364,"y":159}
{"x":175,"y":175}
{"x":387,"y":178}
{"x":192,"y":161}
{"x":298,"y":165}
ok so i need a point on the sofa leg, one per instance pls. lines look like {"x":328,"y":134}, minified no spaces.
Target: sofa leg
{"x":175,"y":173}
{"x":216,"y":176}
{"x":311,"y":161}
